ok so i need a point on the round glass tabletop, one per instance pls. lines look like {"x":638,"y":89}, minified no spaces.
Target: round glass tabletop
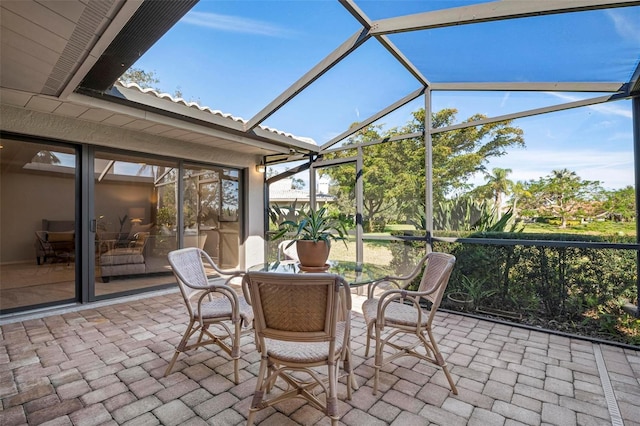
{"x":356,"y":274}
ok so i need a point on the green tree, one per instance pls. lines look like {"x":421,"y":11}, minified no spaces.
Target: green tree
{"x":620,"y":204}
{"x":497,"y":185}
{"x":394,"y":172}
{"x":46,"y":157}
{"x":379,"y":175}
{"x":518,"y":192}
{"x":297,"y":183}
{"x":144,"y":79}
{"x":459,"y":154}
{"x":148,"y":80}
{"x":564,"y":194}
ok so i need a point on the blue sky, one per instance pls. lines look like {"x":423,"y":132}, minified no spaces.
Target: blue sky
{"x":237,"y":56}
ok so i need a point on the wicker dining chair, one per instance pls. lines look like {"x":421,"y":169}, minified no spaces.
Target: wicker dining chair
{"x":398,"y":312}
{"x":209,"y":303}
{"x":302,"y":321}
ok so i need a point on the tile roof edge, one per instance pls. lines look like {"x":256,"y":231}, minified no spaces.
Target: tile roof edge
{"x":178,"y":100}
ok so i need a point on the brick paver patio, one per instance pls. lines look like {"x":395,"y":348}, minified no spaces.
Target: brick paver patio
{"x":105,"y":365}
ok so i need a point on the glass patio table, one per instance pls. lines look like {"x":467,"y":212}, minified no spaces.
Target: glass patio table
{"x":354,"y":273}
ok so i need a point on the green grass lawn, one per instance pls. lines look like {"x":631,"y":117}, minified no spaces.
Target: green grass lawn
{"x":593,"y":228}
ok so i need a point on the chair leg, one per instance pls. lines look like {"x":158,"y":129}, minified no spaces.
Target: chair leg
{"x":235,"y":351}
{"x":259,"y":392}
{"x":332,"y":398}
{"x":180,"y":348}
{"x":441,"y":362}
{"x":369,"y":331}
{"x":377,"y":363}
{"x":351,"y":381}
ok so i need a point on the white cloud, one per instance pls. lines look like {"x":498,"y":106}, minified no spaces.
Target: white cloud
{"x":504,"y":100}
{"x":607,"y":108}
{"x":234,"y":24}
{"x":625,"y":27}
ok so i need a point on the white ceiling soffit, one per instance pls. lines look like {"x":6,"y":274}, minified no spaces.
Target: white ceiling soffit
{"x":45,"y":44}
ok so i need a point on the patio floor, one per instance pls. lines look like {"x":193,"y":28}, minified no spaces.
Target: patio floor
{"x":105,"y":365}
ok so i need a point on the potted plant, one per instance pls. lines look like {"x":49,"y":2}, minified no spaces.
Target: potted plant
{"x":313,"y":232}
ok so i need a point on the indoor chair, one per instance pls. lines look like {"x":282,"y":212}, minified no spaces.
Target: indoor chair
{"x":209,"y":303}
{"x":302,"y":321}
{"x":398,"y":312}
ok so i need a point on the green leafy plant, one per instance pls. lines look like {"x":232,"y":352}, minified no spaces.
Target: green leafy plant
{"x":166,"y":216}
{"x":279,"y":214}
{"x":313,"y":225}
{"x":476,"y":289}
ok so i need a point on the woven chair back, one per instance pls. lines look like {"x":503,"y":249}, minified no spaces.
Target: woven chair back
{"x":436,"y":276}
{"x":295,"y":307}
{"x":188,"y":268}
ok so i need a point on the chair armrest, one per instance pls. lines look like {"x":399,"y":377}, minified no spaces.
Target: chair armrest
{"x":226,"y":292}
{"x":245,"y":290}
{"x":400,"y":295}
{"x":231,"y":273}
{"x":389,"y":281}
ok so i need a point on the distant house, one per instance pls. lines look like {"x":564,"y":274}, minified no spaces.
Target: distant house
{"x":283,"y":193}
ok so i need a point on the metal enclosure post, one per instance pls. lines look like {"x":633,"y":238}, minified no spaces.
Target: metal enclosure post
{"x":359,"y":206}
{"x":265,"y":213}
{"x":428,"y":170}
{"x":635,"y":106}
{"x":179,"y":204}
{"x":312,"y":185}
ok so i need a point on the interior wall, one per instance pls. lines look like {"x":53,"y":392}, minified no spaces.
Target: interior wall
{"x":26,"y":199}
{"x":113,"y":201}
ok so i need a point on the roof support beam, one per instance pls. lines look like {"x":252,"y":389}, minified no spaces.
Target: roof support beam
{"x":486,"y":12}
{"x":315,"y":73}
{"x":532,"y":112}
{"x":395,"y":138}
{"x":384,"y":40}
{"x":634,"y":83}
{"x":380,"y":114}
{"x":532,"y":87}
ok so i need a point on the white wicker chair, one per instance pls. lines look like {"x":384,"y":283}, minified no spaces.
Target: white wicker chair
{"x":302,"y":321}
{"x":209,"y":304}
{"x":398,"y":312}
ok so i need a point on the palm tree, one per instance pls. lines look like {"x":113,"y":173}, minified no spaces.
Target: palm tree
{"x":498,"y":184}
{"x":518,"y":192}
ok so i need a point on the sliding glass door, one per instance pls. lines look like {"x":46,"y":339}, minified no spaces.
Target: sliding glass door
{"x":38,"y":222}
{"x":143,"y":207}
{"x":135,"y":213}
{"x":212,"y":212}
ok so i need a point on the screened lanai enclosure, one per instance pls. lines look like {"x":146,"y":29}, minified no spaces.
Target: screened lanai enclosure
{"x":512,"y":142}
{"x":504,"y":132}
